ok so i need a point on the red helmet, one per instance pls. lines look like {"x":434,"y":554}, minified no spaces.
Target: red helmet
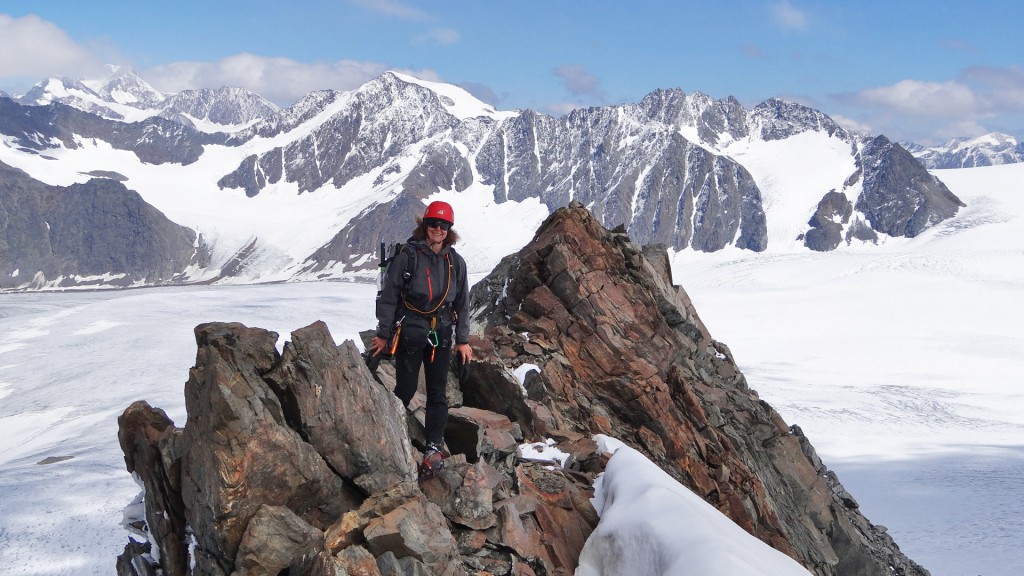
{"x":441,"y":211}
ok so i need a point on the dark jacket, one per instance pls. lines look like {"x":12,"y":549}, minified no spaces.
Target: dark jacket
{"x":429,"y":284}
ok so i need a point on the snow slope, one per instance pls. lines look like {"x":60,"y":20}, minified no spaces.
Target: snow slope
{"x":793,"y":175}
{"x":902,"y":364}
{"x":653,"y":526}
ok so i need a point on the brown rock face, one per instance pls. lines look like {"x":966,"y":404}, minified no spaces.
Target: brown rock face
{"x":303,"y":463}
{"x":334,"y":407}
{"x":622,"y":352}
{"x":238,"y":454}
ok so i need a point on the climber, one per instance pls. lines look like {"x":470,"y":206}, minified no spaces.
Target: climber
{"x":417,"y":311}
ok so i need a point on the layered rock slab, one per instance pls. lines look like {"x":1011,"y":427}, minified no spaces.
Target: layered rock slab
{"x":620,"y":350}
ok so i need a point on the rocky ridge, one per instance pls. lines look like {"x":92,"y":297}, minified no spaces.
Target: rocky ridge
{"x":125,"y":96}
{"x":301,"y":461}
{"x":989,"y":150}
{"x":48,"y":236}
{"x":672,"y":168}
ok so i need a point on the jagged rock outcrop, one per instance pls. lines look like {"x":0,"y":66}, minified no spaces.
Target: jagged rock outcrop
{"x":621,"y":351}
{"x":827,"y":223}
{"x":924,"y":200}
{"x":96,"y":233}
{"x":302,"y":461}
{"x":776,"y":119}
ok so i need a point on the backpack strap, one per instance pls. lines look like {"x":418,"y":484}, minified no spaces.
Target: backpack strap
{"x":410,"y":268}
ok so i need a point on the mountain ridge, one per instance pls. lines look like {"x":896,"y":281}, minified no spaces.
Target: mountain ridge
{"x":990,"y":149}
{"x":686,"y":171}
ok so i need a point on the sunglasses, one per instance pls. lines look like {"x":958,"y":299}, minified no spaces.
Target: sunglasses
{"x":438,"y":223}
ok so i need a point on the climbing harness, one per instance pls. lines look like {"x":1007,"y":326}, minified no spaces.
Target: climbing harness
{"x":432,"y":337}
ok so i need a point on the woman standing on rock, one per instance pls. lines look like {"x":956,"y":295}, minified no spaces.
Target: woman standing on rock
{"x":422,"y":302}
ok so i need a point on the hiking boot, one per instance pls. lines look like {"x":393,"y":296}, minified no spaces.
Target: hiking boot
{"x":433,"y":462}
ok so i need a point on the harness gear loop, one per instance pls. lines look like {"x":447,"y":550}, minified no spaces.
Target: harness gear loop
{"x":432,"y":337}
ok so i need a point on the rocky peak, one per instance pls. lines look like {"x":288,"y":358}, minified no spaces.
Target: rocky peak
{"x":716,"y":121}
{"x":303,"y":461}
{"x":224,"y":106}
{"x":127,"y":87}
{"x":363,"y":131}
{"x":54,"y":89}
{"x":303,"y":111}
{"x":777,"y":119}
{"x":925,"y":200}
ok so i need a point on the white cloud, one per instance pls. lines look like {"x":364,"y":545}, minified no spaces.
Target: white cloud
{"x":32,"y":49}
{"x":281,"y":80}
{"x":919,"y":98}
{"x":978,"y":92}
{"x":579,"y":81}
{"x":789,"y":16}
{"x":967,"y":128}
{"x":852,"y":125}
{"x":1000,"y":88}
{"x":980,"y":100}
{"x":35,"y":48}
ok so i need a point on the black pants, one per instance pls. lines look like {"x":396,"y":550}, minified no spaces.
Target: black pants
{"x":414,"y":351}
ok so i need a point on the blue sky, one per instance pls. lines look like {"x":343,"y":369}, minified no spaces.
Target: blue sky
{"x":925,"y":71}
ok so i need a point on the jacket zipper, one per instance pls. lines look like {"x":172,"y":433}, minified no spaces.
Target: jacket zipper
{"x":430,"y":288}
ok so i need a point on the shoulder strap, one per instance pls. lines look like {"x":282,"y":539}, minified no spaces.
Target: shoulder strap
{"x":410,"y":266}
{"x":455,"y":259}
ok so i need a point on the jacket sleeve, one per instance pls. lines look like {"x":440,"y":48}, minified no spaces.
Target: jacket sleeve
{"x":391,"y":295}
{"x":462,"y":304}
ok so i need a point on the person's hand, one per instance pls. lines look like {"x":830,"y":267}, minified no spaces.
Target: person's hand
{"x":465,"y":352}
{"x":378,"y":345}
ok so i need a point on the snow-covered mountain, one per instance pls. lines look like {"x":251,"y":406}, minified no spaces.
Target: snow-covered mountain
{"x":309,"y":192}
{"x":988,"y":150}
{"x":125,"y":96}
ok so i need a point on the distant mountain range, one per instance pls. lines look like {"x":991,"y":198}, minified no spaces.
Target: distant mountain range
{"x":127,"y":97}
{"x":243,"y":191}
{"x":988,"y":150}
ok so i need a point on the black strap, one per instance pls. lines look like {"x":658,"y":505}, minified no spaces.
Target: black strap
{"x":410,"y":268}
